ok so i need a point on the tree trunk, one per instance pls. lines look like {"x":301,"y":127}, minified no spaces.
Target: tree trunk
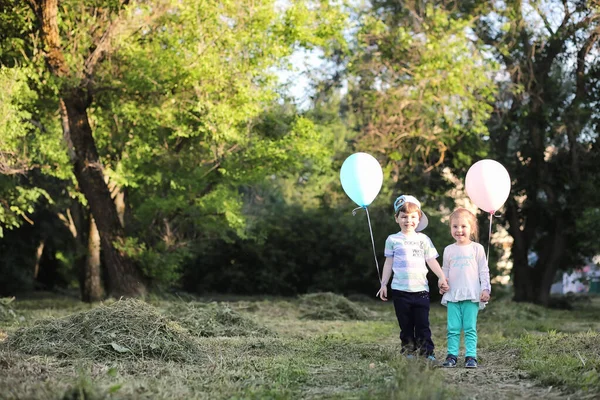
{"x":550,"y":259}
{"x":532,"y":284}
{"x":522,"y":273}
{"x":92,"y":285}
{"x":86,"y":241}
{"x":523,"y":279}
{"x":124,"y":277}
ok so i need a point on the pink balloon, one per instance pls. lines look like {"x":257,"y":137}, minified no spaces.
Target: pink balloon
{"x":488,"y":185}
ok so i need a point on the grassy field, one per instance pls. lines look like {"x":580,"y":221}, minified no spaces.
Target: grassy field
{"x":320,"y":346}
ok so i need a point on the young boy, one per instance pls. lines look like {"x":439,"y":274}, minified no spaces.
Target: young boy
{"x":406,"y":254}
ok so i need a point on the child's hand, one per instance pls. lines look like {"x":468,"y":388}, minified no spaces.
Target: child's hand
{"x":443,"y":285}
{"x":382,"y":293}
{"x":485,"y":295}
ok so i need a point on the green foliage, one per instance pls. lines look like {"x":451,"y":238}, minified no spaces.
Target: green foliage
{"x":293,"y":249}
{"x":162,"y":263}
{"x":189,"y":122}
{"x":14,"y":117}
{"x":181,"y":108}
{"x":585,"y":227}
{"x":34,"y":173}
{"x":543,"y":130}
{"x":18,"y":149}
{"x":421,"y":88}
{"x":18,"y":202}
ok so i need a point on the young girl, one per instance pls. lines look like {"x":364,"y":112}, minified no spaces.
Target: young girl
{"x":468,"y":274}
{"x":406,"y":253}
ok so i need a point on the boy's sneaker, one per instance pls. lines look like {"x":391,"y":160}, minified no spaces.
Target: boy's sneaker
{"x":470,"y":362}
{"x":450,"y":361}
{"x":408,"y":352}
{"x":431,"y":360}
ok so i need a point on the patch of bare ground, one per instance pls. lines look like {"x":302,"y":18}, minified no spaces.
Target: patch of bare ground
{"x":497,"y":379}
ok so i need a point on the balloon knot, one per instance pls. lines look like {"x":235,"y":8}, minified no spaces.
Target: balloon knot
{"x":357,"y":208}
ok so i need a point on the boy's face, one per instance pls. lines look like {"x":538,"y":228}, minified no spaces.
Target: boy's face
{"x":408,"y":221}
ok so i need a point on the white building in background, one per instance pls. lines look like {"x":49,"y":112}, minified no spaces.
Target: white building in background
{"x":583,"y":280}
{"x":573,"y":283}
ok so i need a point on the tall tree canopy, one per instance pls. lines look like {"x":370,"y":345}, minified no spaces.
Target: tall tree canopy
{"x":420,"y":91}
{"x":162,"y":101}
{"x":545,"y":130}
{"x":163,"y":123}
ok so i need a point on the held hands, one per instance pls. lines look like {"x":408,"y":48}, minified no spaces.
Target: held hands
{"x":443,"y":285}
{"x":485,"y":296}
{"x":382,"y":293}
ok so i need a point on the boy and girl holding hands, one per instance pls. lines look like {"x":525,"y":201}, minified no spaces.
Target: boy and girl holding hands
{"x":464,"y":281}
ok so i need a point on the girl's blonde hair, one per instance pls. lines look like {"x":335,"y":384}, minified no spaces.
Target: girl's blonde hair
{"x":471,"y":218}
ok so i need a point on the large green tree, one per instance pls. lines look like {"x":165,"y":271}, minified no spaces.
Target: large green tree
{"x":421,"y":88}
{"x":544,"y":130}
{"x":74,"y":64}
{"x":161,"y":104}
{"x":418,"y":94}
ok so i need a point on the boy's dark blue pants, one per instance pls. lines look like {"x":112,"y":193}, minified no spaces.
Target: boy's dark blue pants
{"x":412,"y":311}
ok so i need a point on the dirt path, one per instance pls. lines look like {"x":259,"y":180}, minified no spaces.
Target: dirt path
{"x":498,"y":382}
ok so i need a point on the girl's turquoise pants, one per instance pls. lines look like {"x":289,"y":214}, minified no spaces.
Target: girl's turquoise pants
{"x":462,"y":316}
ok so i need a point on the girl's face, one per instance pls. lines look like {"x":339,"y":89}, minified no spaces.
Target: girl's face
{"x":461,"y":230}
{"x":408,"y":221}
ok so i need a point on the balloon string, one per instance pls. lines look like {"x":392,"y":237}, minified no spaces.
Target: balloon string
{"x":372,"y":240}
{"x":490,"y":234}
{"x":489,"y":238}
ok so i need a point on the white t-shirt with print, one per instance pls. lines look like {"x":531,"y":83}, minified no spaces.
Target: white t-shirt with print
{"x":409,"y":253}
{"x":467,"y":272}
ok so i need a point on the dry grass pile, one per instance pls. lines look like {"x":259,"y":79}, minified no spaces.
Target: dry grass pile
{"x":214,"y":319}
{"x":124,"y":329}
{"x":331,"y":306}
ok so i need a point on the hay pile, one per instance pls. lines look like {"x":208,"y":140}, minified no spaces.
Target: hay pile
{"x":125,"y":329}
{"x":331,"y":306}
{"x":214,"y":319}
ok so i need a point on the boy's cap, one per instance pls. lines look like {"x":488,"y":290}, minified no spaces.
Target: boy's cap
{"x":406,"y":198}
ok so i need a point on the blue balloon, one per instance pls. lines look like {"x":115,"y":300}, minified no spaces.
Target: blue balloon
{"x":361,"y":177}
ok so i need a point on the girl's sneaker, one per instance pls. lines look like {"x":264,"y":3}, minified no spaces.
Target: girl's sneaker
{"x":450,"y":361}
{"x":470,"y":362}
